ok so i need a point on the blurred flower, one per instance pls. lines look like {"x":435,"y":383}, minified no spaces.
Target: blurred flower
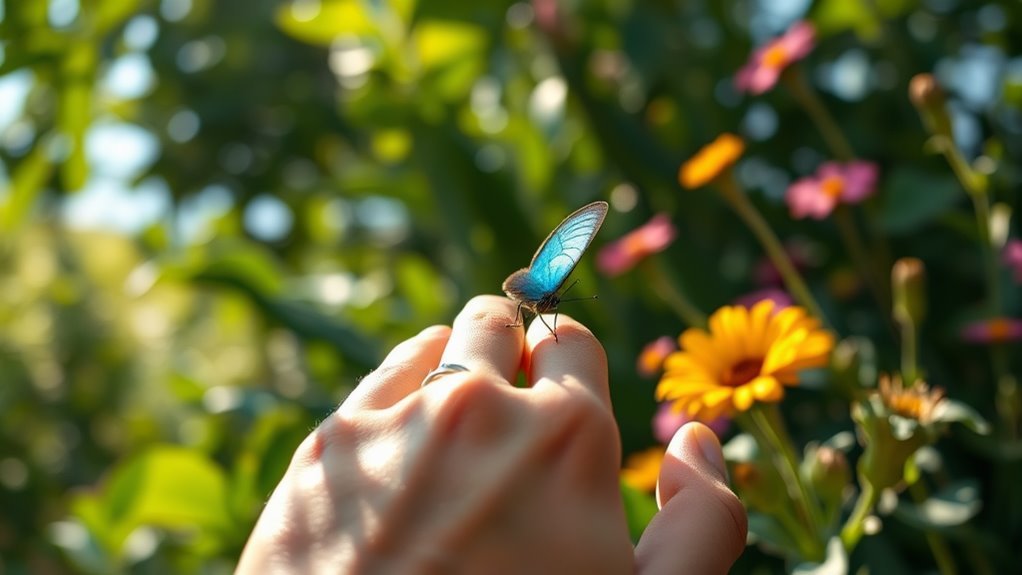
{"x":668,"y":421}
{"x":916,"y":402}
{"x":780,"y":298}
{"x":1011,"y":256}
{"x":896,"y":420}
{"x":642,"y":469}
{"x":651,"y":358}
{"x":748,"y":355}
{"x":817,"y":196}
{"x":767,"y":62}
{"x":994,"y":330}
{"x":711,"y":161}
{"x":620,"y":256}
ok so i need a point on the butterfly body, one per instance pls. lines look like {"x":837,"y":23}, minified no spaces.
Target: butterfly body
{"x":537,"y":287}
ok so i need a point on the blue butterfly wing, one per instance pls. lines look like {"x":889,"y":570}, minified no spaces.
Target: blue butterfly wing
{"x":560,"y":252}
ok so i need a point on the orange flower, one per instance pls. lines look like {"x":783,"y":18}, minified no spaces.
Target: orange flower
{"x":711,"y":161}
{"x":748,"y":355}
{"x":916,"y":401}
{"x":642,"y":469}
{"x":652,"y":357}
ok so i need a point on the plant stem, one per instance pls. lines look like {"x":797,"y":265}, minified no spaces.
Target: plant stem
{"x":735,"y":196}
{"x":772,"y":434}
{"x":852,"y":531}
{"x":939,"y":547}
{"x":794,"y":79}
{"x":672,"y":294}
{"x":909,"y":352}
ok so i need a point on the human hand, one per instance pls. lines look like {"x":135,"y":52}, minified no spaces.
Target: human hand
{"x":473,"y":475}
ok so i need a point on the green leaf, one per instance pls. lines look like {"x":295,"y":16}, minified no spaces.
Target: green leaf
{"x":640,"y":507}
{"x":335,"y":18}
{"x":835,"y":563}
{"x":866,"y":19}
{"x":949,"y":410}
{"x":951,"y":507}
{"x":912,"y":199}
{"x":266,"y":454}
{"x":171,"y":487}
{"x":111,"y":13}
{"x":766,"y":531}
{"x":75,"y":112}
{"x":167,"y":487}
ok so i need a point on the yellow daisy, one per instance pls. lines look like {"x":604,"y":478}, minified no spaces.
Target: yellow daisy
{"x":711,"y":161}
{"x":748,"y":355}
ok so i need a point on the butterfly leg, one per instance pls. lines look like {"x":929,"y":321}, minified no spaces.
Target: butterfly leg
{"x":518,"y":314}
{"x":553,"y":330}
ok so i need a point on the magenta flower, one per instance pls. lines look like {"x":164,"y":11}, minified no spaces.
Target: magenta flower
{"x":780,"y":298}
{"x":620,"y":256}
{"x":764,"y":68}
{"x":652,"y":357}
{"x":834,"y":183}
{"x":1012,"y":257}
{"x":666,"y":422}
{"x":994,"y":330}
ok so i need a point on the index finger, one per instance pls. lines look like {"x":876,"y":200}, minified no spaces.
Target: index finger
{"x":574,"y":360}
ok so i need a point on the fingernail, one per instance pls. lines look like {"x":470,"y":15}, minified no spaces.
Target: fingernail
{"x":709,"y":446}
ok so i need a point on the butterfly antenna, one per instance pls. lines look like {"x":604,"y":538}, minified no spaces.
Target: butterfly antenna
{"x":562,"y":300}
{"x":571,"y":285}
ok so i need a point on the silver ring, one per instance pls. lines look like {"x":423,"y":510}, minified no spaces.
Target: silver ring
{"x":444,"y":369}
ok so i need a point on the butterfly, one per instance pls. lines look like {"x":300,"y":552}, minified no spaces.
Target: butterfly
{"x":536,"y":288}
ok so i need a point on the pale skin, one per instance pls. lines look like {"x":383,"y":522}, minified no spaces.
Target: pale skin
{"x":473,"y":475}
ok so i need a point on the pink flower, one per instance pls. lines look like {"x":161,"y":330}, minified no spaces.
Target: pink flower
{"x":652,"y":357}
{"x":817,"y":196}
{"x":620,"y":256}
{"x":994,"y":330}
{"x":1012,"y":257}
{"x":764,"y":68}
{"x":667,"y":422}
{"x":780,"y":298}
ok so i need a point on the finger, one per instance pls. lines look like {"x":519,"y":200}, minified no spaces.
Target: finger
{"x":575,"y":360}
{"x":401,"y":372}
{"x":482,"y":341}
{"x":701,"y":526}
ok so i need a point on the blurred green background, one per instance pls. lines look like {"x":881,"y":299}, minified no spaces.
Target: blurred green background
{"x":215,"y":216}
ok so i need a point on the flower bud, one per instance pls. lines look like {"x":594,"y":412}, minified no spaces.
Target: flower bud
{"x":829,"y":473}
{"x":908,"y":283}
{"x":928,"y":97}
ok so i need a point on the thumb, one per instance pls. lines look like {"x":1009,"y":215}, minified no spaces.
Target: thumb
{"x":701,"y":525}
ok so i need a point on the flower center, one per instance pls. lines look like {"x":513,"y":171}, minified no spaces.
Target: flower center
{"x":775,"y":57}
{"x":635,"y":245}
{"x":742,"y":372}
{"x":832,"y":187}
{"x":910,"y":406}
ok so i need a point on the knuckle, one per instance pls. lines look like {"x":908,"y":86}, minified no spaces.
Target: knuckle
{"x":471,"y":406}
